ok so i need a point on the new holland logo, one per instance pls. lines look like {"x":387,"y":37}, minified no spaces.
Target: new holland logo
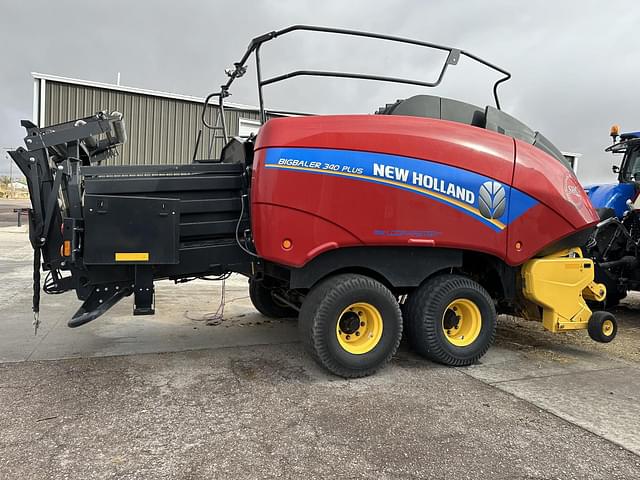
{"x":492,"y":200}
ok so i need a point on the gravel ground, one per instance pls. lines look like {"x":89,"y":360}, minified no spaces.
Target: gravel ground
{"x":530,"y":338}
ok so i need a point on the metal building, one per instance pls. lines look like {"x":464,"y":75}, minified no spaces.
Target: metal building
{"x":162,"y":127}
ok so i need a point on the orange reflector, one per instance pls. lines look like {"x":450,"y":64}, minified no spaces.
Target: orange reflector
{"x":287,"y":244}
{"x":66,"y":248}
{"x":132,"y":256}
{"x":518,"y":245}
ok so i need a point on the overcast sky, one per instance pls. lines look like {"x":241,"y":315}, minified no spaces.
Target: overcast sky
{"x":573,"y":63}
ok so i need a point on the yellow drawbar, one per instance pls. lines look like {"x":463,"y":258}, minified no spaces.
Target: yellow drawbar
{"x":559,"y":283}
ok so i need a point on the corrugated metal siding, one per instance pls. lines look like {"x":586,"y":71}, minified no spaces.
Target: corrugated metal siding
{"x":160,"y":130}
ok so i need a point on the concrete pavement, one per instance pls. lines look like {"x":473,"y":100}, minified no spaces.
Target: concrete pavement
{"x":269,"y":412}
{"x":184,"y":395}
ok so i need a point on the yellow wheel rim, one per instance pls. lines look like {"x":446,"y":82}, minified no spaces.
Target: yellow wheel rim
{"x":461,"y":322}
{"x":359,"y":328}
{"x":607,"y":328}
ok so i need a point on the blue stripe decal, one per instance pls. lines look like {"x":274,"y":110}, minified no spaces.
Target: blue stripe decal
{"x":488,"y":201}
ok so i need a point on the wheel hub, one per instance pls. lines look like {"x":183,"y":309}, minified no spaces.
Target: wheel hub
{"x":359,"y":328}
{"x":349,"y":322}
{"x":451,"y":320}
{"x":607,"y":328}
{"x":462,"y":322}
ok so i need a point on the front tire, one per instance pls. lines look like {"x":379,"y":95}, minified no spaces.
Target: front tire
{"x":602,"y":327}
{"x":451,"y":320}
{"x":351,"y":325}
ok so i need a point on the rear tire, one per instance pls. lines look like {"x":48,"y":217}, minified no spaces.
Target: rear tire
{"x":351,"y":325}
{"x":262,"y":299}
{"x":451,"y":320}
{"x":602,"y":327}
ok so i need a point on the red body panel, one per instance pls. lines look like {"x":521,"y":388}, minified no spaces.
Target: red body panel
{"x":546,"y":181}
{"x":563,"y":209}
{"x":441,"y":141}
{"x":535,"y":230}
{"x":318,"y":211}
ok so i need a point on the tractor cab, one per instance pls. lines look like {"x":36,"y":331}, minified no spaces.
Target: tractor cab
{"x":629,"y":170}
{"x":611,"y":199}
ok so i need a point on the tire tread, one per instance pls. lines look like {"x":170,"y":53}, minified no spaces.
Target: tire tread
{"x":422,"y":322}
{"x":315,"y":310}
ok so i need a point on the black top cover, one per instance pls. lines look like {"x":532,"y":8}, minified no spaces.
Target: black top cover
{"x":490,"y":118}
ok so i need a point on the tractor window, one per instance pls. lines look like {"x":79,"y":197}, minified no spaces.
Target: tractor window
{"x":632,"y":166}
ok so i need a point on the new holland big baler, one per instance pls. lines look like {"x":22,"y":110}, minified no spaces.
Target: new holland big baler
{"x":433,"y":213}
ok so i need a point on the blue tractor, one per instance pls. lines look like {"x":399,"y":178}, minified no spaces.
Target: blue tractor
{"x":615,"y":244}
{"x":613,"y":198}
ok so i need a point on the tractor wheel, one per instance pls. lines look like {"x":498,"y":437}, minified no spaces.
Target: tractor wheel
{"x":266,"y":304}
{"x":451,"y":320}
{"x":602,"y":327}
{"x":351,"y":325}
